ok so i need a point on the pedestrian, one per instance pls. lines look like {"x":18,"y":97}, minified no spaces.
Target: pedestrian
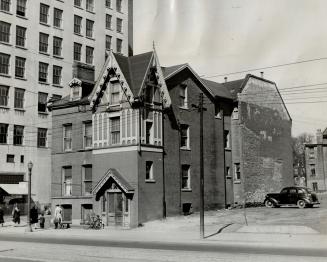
{"x":42,"y":220}
{"x":57,"y":216}
{"x":16,"y":214}
{"x":34,"y":216}
{"x":1,"y":216}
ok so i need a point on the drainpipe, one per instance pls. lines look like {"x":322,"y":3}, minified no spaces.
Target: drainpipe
{"x":225,"y":186}
{"x":164,"y":211}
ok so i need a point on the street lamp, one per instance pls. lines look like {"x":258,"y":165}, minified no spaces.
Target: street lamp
{"x":30,"y":166}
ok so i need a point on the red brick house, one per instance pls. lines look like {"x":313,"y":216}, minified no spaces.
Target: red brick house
{"x":129,"y":149}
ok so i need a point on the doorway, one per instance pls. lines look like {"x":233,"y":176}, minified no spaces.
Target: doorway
{"x":117,"y":209}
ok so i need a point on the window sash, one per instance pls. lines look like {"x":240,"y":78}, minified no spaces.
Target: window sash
{"x":20,"y":67}
{"x":119,"y":5}
{"x":5,"y":5}
{"x":19,"y":98}
{"x":77,"y":52}
{"x":115,"y":130}
{"x":57,"y":17}
{"x":108,"y":21}
{"x":20,"y":36}
{"x":57,"y":46}
{"x":41,"y":137}
{"x":149,"y":170}
{"x":89,"y":55}
{"x":119,"y":45}
{"x":77,"y":24}
{"x":18,"y":135}
{"x":56,"y":75}
{"x":78,"y":3}
{"x":43,"y":43}
{"x":89,"y":28}
{"x":42,"y":102}
{"x":90,"y":5}
{"x":4,"y":32}
{"x":108,"y":3}
{"x":21,"y":7}
{"x":43,"y":72}
{"x":87,"y":135}
{"x":67,"y":137}
{"x":185,"y":177}
{"x":108,"y":42}
{"x":4,"y":63}
{"x":119,"y":25}
{"x":44,"y":12}
{"x":4,"y":91}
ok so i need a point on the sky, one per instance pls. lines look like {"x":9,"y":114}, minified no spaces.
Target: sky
{"x":219,"y":37}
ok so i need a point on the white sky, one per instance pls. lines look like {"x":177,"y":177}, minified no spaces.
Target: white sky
{"x":223,"y":36}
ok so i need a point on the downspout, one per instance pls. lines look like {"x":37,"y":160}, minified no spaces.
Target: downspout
{"x":163,"y":163}
{"x":225,"y":186}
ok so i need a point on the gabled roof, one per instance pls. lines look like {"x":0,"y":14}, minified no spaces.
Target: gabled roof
{"x":167,"y":71}
{"x":218,"y":89}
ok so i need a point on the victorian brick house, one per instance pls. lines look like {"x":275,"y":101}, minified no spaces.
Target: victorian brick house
{"x":129,"y":149}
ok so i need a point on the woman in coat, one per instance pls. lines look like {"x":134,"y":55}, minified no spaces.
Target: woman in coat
{"x":16,"y":214}
{"x":34,"y":216}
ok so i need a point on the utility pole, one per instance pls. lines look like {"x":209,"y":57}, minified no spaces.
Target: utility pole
{"x":201,"y":168}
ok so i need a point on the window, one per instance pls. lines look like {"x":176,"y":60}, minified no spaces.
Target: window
{"x":77,"y":51}
{"x":115,"y":130}
{"x":237,"y":172}
{"x":10,"y":158}
{"x":43,"y":43}
{"x":183,"y":96}
{"x":19,"y":98}
{"x":218,"y":111}
{"x":3,"y":133}
{"x":315,"y":186}
{"x":42,"y":102}
{"x":4,"y":90}
{"x":20,"y":67}
{"x":89,"y":55}
{"x":41,"y":137}
{"x":108,"y":42}
{"x":43,"y":72}
{"x":108,"y":21}
{"x":115,"y":94}
{"x":87,"y":134}
{"x":108,"y":3}
{"x":44,"y":12}
{"x":67,"y":178}
{"x":78,"y":3}
{"x":119,"y":45}
{"x":5,"y":5}
{"x":184,"y":136}
{"x":235,"y":113}
{"x":18,"y":135}
{"x":77,"y":24}
{"x":148,"y":170}
{"x":186,"y":179}
{"x":227,"y":171}
{"x":226,"y":139}
{"x":89,"y":28}
{"x":148,"y":132}
{"x":56,"y":76}
{"x":57,"y":46}
{"x":67,"y":137}
{"x":90,"y":5}
{"x":20,"y":36}
{"x":87,"y":179}
{"x":4,"y":32}
{"x":119,"y":25}
{"x":57,"y":17}
{"x":22,"y":159}
{"x":21,"y":8}
{"x":119,"y":5}
{"x":312,"y":170}
{"x":311,"y":152}
{"x":4,"y":63}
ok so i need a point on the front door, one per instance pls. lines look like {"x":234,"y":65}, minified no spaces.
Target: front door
{"x":115,"y":208}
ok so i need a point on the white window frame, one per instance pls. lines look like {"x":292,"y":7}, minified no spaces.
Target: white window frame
{"x":187,"y":146}
{"x":84,"y":135}
{"x":86,"y":180}
{"x":67,"y":185}
{"x":188,"y":187}
{"x":69,"y":139}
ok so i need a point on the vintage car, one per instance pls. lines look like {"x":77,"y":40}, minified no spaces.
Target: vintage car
{"x":300,"y":196}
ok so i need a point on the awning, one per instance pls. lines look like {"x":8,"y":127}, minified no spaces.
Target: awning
{"x":15,"y":189}
{"x":113,"y":174}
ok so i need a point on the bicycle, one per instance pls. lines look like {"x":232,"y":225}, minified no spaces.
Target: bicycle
{"x":96,"y":222}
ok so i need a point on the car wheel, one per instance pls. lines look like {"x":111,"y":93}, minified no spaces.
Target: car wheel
{"x":268,"y":203}
{"x":301,"y":203}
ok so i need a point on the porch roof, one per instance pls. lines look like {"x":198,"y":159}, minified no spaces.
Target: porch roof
{"x":117,"y":177}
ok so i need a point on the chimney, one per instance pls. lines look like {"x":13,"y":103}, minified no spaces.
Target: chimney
{"x":261,"y":73}
{"x":225,"y":79}
{"x":319,"y":136}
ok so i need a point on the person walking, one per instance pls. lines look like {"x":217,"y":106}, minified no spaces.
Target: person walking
{"x":34,"y":216}
{"x":16,"y":214}
{"x":1,"y":216}
{"x":57,"y":216}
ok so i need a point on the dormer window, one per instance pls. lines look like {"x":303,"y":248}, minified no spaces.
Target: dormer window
{"x":75,"y":89}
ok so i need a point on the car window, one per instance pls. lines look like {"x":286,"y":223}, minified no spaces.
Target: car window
{"x":284,"y":191}
{"x":292,"y":191}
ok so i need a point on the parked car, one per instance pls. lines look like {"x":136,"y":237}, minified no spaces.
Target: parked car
{"x":300,"y":196}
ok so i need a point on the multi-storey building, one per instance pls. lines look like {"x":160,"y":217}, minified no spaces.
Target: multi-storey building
{"x":43,"y":43}
{"x":129,"y":149}
{"x":315,"y":162}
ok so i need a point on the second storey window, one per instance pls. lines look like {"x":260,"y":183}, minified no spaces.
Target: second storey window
{"x":57,"y":18}
{"x":67,"y":179}
{"x":5,"y":5}
{"x":87,"y":179}
{"x":4,"y":63}
{"x":226,"y":139}
{"x":89,"y":28}
{"x":90,"y":5}
{"x":119,"y":45}
{"x":18,"y":135}
{"x":67,"y":137}
{"x":185,"y":136}
{"x":119,"y":25}
{"x":186,"y":177}
{"x":4,"y":32}
{"x":3,"y":133}
{"x":56,"y":75}
{"x":57,"y":46}
{"x":108,"y":21}
{"x":20,"y":36}
{"x":77,"y":24}
{"x":43,"y":72}
{"x":77,"y":51}
{"x":44,"y":13}
{"x":20,"y":67}
{"x":21,"y":8}
{"x":42,"y":102}
{"x":87,"y":135}
{"x":4,"y":90}
{"x":89,"y":55}
{"x":237,"y":172}
{"x":41,"y":137}
{"x":183,"y":96}
{"x":19,"y":98}
{"x":108,"y":42}
{"x":115,"y":130}
{"x":43,"y":43}
{"x":148,"y":170}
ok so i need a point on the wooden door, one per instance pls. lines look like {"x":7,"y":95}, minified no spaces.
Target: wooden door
{"x":115,"y":208}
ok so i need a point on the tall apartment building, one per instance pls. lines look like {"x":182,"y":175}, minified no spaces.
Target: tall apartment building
{"x":43,"y":44}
